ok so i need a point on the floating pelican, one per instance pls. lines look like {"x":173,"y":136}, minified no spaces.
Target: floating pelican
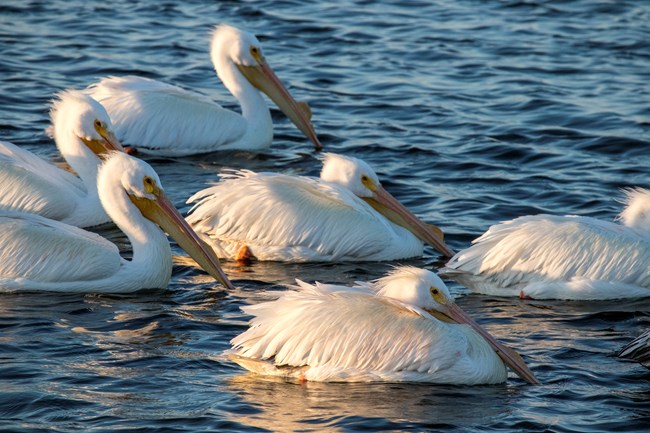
{"x":166,"y":120}
{"x":562,"y":257}
{"x":37,"y":253}
{"x":344,"y":215}
{"x":403,"y":328}
{"x":638,"y":350}
{"x":81,"y":129}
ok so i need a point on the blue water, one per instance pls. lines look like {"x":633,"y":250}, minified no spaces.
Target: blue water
{"x":471,"y":112}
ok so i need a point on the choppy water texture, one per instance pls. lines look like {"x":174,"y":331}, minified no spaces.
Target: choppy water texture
{"x":472,"y":112}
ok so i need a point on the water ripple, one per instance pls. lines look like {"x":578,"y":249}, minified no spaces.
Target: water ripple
{"x":472,"y":112}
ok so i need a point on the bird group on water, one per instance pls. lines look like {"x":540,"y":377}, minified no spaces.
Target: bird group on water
{"x":403,"y":327}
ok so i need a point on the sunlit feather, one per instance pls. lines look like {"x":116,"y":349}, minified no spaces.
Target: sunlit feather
{"x":365,"y":333}
{"x":298,"y":218}
{"x":30,"y":184}
{"x":37,"y":253}
{"x":564,"y":257}
{"x":164,"y":119}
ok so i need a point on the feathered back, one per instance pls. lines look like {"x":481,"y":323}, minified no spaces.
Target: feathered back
{"x":288,"y":206}
{"x":23,"y":234}
{"x":326,"y":332}
{"x":299,"y":329}
{"x":154,"y":116}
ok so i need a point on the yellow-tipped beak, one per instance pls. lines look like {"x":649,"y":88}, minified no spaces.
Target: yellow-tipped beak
{"x":509,"y":356}
{"x":162,"y":212}
{"x":392,"y":209}
{"x":263,"y":77}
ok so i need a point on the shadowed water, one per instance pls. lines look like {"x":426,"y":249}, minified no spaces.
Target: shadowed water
{"x":471,"y":112}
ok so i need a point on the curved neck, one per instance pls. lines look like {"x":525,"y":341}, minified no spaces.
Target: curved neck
{"x":80,"y":158}
{"x":152,"y":259}
{"x":85,"y":163}
{"x":259,"y":131}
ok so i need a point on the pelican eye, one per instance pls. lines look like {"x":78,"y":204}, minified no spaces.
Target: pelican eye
{"x":149,"y":185}
{"x":366,"y":181}
{"x":437,"y":295}
{"x":98,"y":123}
{"x":256,"y":53}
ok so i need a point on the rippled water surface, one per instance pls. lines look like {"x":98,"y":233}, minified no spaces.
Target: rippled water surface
{"x":471,"y":112}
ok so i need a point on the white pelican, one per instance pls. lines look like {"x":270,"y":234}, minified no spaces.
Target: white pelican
{"x":562,"y":257}
{"x":28,"y":183}
{"x":37,"y":253}
{"x":166,"y":120}
{"x":403,"y":328}
{"x":637,"y":350}
{"x":344,"y":215}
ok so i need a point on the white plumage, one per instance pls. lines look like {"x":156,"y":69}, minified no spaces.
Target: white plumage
{"x":299,"y":219}
{"x":81,"y":127}
{"x":562,"y":257}
{"x":37,"y":253}
{"x":385,"y":331}
{"x":162,"y":119}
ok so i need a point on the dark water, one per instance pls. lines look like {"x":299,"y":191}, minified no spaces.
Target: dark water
{"x":472,"y":112}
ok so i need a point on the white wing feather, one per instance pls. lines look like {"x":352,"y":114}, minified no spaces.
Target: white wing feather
{"x":163,"y":119}
{"x":344,"y":335}
{"x":550,"y":250}
{"x":294,"y":218}
{"x":36,"y":249}
{"x":30,"y":184}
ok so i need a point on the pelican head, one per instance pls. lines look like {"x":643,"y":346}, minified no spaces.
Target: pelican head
{"x":426,"y":290}
{"x":244,"y":51}
{"x":358,"y":177}
{"x":637,"y":209}
{"x":86,"y":119}
{"x":143,"y":187}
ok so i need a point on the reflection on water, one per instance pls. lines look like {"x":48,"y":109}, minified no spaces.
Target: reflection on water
{"x":471,"y":112}
{"x":280,"y":406}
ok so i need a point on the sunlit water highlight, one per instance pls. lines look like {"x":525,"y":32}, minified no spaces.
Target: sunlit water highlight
{"x":472,"y":112}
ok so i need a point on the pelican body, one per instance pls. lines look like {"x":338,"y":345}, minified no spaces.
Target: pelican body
{"x":562,"y":257}
{"x":81,"y":130}
{"x":166,"y":120}
{"x":638,"y":350}
{"x":404,"y":327}
{"x":37,"y":253}
{"x":344,"y":215}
